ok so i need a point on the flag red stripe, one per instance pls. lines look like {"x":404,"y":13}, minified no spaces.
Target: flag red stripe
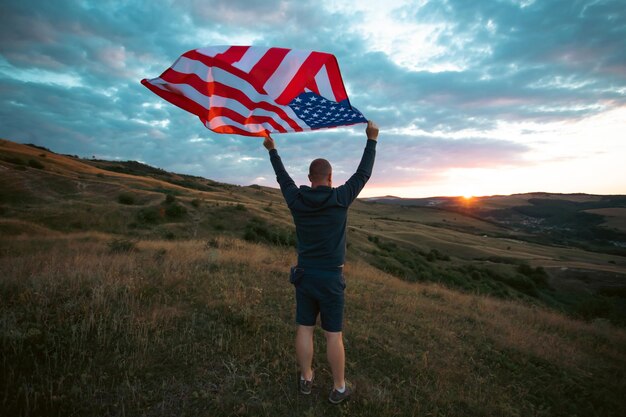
{"x":178,"y":100}
{"x":263,"y":70}
{"x":210,"y":88}
{"x":232,"y":54}
{"x":311,"y":65}
{"x":239,"y":118}
{"x":312,"y":85}
{"x":336,"y":83}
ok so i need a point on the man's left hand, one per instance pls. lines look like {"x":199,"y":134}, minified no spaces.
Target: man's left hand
{"x":269,"y":143}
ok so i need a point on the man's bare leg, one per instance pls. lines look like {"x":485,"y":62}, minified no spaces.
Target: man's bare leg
{"x":336,"y":357}
{"x":304,"y":350}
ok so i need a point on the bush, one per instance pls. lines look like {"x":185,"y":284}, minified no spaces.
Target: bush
{"x":126,"y":198}
{"x":435,"y":255}
{"x":538,"y":275}
{"x":595,"y":307}
{"x":148,"y":215}
{"x":35,"y":164}
{"x":260,"y":232}
{"x":195,"y":202}
{"x":175,"y":211}
{"x":170,"y":198}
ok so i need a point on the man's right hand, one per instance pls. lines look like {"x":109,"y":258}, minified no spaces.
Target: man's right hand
{"x":371,"y":130}
{"x":269,"y":143}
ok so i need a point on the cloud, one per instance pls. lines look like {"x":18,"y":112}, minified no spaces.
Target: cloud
{"x":440,"y":77}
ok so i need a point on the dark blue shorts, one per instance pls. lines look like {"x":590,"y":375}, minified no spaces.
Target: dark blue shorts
{"x":320,"y":291}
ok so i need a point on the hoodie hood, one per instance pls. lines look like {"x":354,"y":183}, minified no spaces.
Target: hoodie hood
{"x":315,"y":197}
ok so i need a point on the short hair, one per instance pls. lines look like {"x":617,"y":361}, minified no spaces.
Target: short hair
{"x":319,"y":169}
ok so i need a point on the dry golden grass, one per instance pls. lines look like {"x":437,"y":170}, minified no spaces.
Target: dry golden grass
{"x":206,"y":327}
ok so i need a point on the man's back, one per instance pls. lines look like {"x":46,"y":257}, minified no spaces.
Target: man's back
{"x":320,"y":213}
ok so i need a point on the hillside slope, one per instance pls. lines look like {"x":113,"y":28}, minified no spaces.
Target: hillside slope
{"x":133,"y":291}
{"x":443,"y":240}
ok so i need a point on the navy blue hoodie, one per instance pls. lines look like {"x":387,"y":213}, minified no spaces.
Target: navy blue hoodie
{"x":321,"y":213}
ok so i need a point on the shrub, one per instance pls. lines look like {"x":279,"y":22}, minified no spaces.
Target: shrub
{"x":149,"y":215}
{"x":175,"y":211}
{"x":240,"y":207}
{"x":195,"y":202}
{"x":538,"y":275}
{"x":259,"y":231}
{"x":435,"y":255}
{"x":373,"y":239}
{"x":126,"y":198}
{"x":170,"y":198}
{"x":35,"y":164}
{"x":594,"y":307}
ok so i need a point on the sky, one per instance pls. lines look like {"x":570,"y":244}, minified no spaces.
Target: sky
{"x":472,"y":97}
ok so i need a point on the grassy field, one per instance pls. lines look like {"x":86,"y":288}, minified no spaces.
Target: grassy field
{"x":128,"y":290}
{"x":615,"y":217}
{"x":95,"y":325}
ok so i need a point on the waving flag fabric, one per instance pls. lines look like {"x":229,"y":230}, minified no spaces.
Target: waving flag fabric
{"x":256,"y":91}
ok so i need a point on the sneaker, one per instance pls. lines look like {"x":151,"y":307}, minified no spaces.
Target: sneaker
{"x":305,"y":386}
{"x":337,"y":397}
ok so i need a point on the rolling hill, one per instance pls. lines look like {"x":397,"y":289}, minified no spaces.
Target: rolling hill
{"x":127,"y":289}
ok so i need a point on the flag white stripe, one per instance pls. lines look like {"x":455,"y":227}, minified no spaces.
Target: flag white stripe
{"x":323,"y":84}
{"x":218,"y":101}
{"x":288,"y":67}
{"x":250,"y":58}
{"x":226,"y":121}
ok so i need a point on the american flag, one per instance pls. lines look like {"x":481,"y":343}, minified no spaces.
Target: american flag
{"x":256,"y":91}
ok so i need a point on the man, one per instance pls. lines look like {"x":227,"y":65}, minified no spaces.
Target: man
{"x":320,"y":215}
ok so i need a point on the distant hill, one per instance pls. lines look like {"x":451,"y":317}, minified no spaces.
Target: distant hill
{"x":593,"y":222}
{"x":129,"y":290}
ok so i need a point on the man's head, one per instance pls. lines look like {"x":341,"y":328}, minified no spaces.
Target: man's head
{"x":320,"y":173}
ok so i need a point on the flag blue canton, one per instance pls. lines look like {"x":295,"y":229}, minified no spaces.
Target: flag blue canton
{"x":318,"y":112}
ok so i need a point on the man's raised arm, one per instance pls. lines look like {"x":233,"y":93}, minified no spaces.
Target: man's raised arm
{"x":287,"y":186}
{"x":348,"y":192}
